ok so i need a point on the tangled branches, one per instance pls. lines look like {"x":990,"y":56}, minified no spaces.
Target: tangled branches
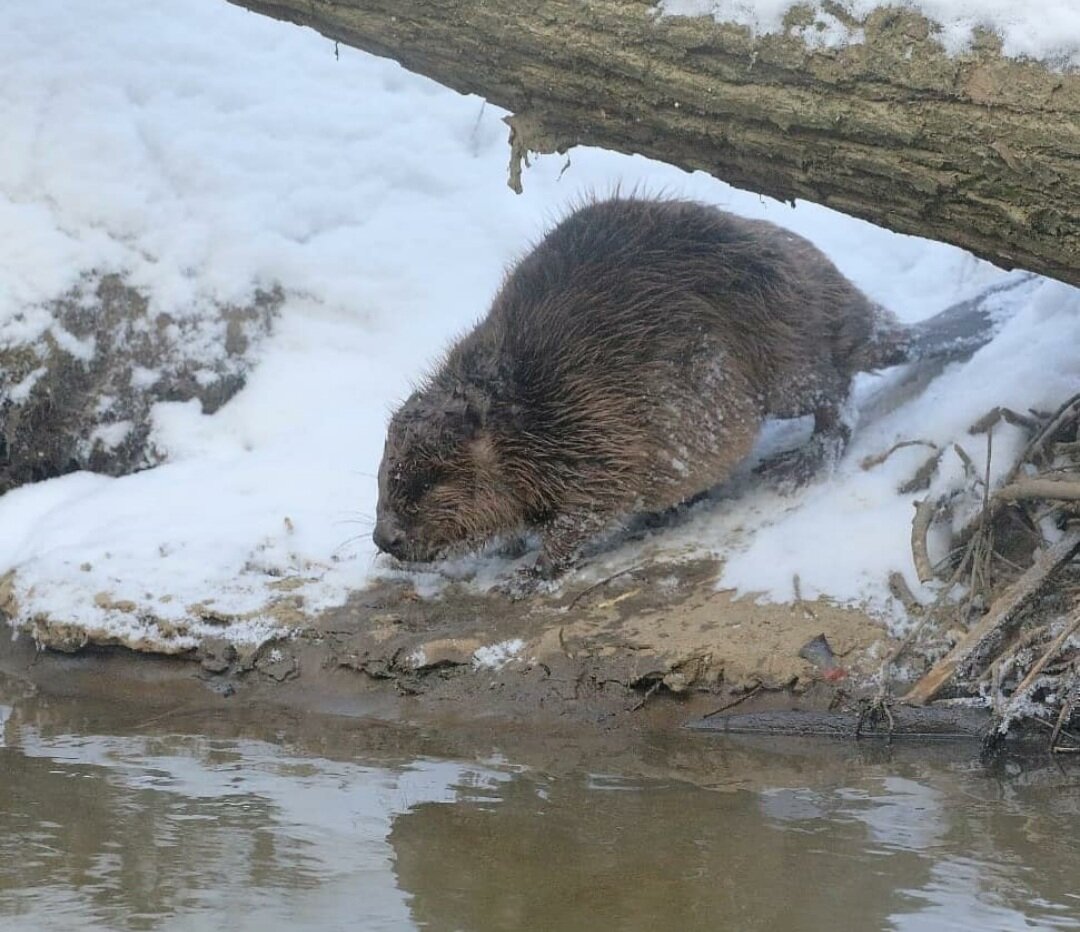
{"x":1005,"y":625}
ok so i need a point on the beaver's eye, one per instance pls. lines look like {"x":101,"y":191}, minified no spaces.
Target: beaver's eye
{"x":419,"y":485}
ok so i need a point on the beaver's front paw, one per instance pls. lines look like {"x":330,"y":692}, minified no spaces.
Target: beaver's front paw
{"x":789,"y":471}
{"x":525,"y":582}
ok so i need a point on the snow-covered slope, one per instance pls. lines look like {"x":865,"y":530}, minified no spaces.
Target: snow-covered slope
{"x":202,"y":152}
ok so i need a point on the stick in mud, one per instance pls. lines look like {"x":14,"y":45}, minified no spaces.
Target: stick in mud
{"x":738,"y":700}
{"x":600,"y":584}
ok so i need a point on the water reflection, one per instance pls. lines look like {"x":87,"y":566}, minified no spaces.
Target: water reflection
{"x":144,"y":833}
{"x":118,"y":829}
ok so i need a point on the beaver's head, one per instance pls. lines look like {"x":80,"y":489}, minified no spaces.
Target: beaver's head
{"x":442,"y":486}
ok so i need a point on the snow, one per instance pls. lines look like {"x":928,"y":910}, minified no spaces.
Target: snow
{"x":201,"y":171}
{"x":1045,"y":30}
{"x":496,"y":656}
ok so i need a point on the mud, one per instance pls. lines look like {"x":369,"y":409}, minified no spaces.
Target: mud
{"x":657,"y":645}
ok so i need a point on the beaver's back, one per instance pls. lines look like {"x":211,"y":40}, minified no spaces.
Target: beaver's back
{"x":622,"y":291}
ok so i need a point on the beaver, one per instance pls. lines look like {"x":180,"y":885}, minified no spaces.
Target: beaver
{"x":627,"y":364}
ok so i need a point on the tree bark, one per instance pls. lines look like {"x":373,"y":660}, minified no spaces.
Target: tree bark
{"x":975,"y":150}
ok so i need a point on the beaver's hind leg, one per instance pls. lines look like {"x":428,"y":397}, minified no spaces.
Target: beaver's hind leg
{"x":794,"y":468}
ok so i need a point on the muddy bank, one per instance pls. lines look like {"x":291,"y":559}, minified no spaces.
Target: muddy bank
{"x":123,"y":694}
{"x":658,"y":645}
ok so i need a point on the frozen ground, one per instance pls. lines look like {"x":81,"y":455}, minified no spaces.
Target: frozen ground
{"x":202,"y":151}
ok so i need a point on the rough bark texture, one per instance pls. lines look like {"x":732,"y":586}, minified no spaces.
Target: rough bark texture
{"x":976,"y":150}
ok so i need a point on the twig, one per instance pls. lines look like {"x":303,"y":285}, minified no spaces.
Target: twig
{"x":869,"y":462}
{"x":984,"y":547}
{"x":901,"y":591}
{"x":920,"y":527}
{"x":1050,"y":725}
{"x":603,"y":582}
{"x":1067,"y":706}
{"x":969,"y":465}
{"x":995,"y":416}
{"x":648,"y":695}
{"x":1011,"y":657}
{"x":749,"y":694}
{"x":1068,"y":412}
{"x":923,"y":475}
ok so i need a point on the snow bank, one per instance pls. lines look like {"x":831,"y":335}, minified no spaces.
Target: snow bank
{"x":848,"y":533}
{"x":1046,"y":30}
{"x":203,"y":170}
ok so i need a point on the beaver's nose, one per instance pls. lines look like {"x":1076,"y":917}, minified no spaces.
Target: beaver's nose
{"x":389,"y":538}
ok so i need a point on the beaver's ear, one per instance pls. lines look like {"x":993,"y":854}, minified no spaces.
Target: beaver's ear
{"x":465,"y":412}
{"x":476,"y":411}
{"x":482,"y":450}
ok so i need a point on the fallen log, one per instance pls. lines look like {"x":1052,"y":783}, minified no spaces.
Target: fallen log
{"x":977,"y":150}
{"x":951,"y":722}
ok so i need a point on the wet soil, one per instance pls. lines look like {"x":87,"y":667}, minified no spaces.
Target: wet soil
{"x":657,"y":644}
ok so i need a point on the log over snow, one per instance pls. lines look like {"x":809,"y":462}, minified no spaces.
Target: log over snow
{"x":976,"y":150}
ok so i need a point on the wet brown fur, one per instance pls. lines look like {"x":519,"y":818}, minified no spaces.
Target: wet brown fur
{"x":626,"y":364}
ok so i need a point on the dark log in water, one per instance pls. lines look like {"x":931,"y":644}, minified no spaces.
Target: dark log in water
{"x":952,"y":722}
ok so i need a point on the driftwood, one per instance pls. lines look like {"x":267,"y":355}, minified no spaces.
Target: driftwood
{"x":1063,"y":490}
{"x":905,"y":722}
{"x":976,"y":150}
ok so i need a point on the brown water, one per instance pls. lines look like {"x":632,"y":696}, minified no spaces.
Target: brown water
{"x":112,"y":820}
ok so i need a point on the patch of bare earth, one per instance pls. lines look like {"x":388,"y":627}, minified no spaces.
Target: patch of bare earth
{"x":597,"y":653}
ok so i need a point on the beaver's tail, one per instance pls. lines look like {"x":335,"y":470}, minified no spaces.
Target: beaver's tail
{"x":955,"y":333}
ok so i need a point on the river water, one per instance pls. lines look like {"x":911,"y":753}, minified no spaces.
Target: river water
{"x":112,"y":819}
